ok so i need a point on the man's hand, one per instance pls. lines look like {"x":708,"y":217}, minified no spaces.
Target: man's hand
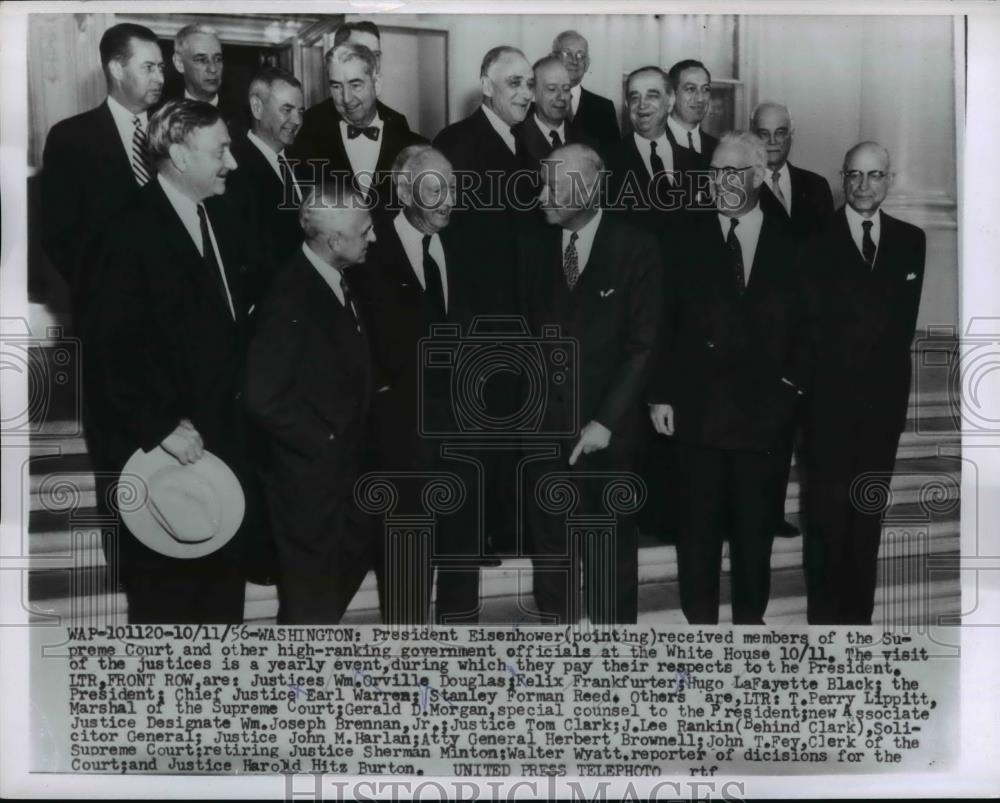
{"x":662,"y":416}
{"x":593,"y":437}
{"x":184,"y":443}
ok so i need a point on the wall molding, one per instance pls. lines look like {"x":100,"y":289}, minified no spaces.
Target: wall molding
{"x":238,"y":29}
{"x":933,"y":209}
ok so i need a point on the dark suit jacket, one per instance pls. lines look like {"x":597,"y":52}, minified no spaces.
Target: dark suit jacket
{"x":612,"y":314}
{"x":812,"y":201}
{"x":596,"y":120}
{"x":259,"y":195}
{"x":861,"y":326}
{"x":532,"y":147}
{"x":86,"y":180}
{"x":701,"y":160}
{"x":724,"y":355}
{"x":485,"y":213}
{"x":320,"y":138}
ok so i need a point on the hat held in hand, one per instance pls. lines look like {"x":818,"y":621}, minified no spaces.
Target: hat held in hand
{"x":180,"y":511}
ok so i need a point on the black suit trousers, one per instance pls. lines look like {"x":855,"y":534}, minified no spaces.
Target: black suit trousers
{"x":725,"y":495}
{"x":607,"y":588}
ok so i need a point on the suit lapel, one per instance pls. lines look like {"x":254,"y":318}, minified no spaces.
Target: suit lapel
{"x":110,"y":141}
{"x":498,"y":155}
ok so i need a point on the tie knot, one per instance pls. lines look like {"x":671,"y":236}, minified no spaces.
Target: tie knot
{"x":733,"y":223}
{"x":775,"y":176}
{"x":652,"y":146}
{"x":554,"y":136}
{"x":866,"y":225}
{"x":137,"y":122}
{"x":426,"y":242}
{"x":573,"y":238}
{"x":201,"y":212}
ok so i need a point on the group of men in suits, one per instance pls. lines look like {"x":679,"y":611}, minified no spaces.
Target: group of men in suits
{"x":262,"y":294}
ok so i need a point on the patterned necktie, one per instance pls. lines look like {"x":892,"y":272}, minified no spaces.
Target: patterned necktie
{"x":571,"y":262}
{"x":288,"y":177}
{"x":690,"y":141}
{"x":867,"y":243}
{"x":432,"y":279}
{"x":211,"y":263}
{"x":140,"y":154}
{"x":776,"y":187}
{"x":556,"y":140}
{"x":733,"y":244}
{"x":370,"y":131}
{"x":655,"y":162}
{"x":349,"y":302}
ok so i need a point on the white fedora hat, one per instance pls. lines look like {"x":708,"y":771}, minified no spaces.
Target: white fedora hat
{"x":180,"y":511}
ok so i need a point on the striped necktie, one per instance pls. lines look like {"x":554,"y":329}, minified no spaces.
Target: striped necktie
{"x":140,"y":154}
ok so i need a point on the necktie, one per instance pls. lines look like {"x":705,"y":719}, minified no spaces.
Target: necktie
{"x":572,"y":107}
{"x":867,"y":243}
{"x":571,"y":262}
{"x":690,"y":141}
{"x":432,"y":279}
{"x":349,"y":302}
{"x":556,"y":140}
{"x":655,"y":162}
{"x":776,"y":187}
{"x":733,"y":244}
{"x":371,"y":131}
{"x":211,"y":263}
{"x":288,"y":178}
{"x":140,"y":154}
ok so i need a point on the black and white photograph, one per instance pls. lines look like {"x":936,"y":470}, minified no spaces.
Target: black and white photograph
{"x":598,"y":397}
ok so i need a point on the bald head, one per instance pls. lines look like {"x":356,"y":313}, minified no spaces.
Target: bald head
{"x":773,"y":124}
{"x":571,"y":178}
{"x":552,"y":91}
{"x":425,"y":185}
{"x":337,"y":226}
{"x":867,"y":177}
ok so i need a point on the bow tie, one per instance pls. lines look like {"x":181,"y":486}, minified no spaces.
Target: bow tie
{"x":372,"y":131}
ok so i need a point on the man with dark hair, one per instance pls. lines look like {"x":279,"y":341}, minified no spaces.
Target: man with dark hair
{"x":597,"y":279}
{"x":863,"y":275}
{"x":365,"y":32}
{"x":591,"y":116}
{"x":265,"y":188}
{"x":347,"y":135}
{"x":728,"y":383}
{"x":692,"y":85}
{"x":94,"y":162}
{"x":164,"y":338}
{"x":309,"y":385}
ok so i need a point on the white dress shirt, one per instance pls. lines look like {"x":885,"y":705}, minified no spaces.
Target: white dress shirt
{"x":681,"y":134}
{"x":214,"y":101}
{"x":412,"y":240}
{"x":574,"y":98}
{"x":272,"y":159}
{"x":187,"y":211}
{"x":854,"y":221}
{"x":363,"y":153}
{"x":501,"y":128}
{"x":547,"y":130}
{"x":663,"y":150}
{"x":748,"y":233}
{"x":125,"y":125}
{"x":329,"y":273}
{"x":784,"y":184}
{"x":584,"y":240}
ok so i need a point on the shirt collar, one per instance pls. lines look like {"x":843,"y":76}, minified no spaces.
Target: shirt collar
{"x":214,"y":101}
{"x":750,"y":220}
{"x":587,"y":233}
{"x":180,"y":202}
{"x":501,"y":127}
{"x":855,"y":219}
{"x":123,"y":117}
{"x":547,"y":130}
{"x":783,"y":172}
{"x":329,"y":273}
{"x":263,"y":147}
{"x":643,"y":144}
{"x":681,"y":133}
{"x":407,"y":231}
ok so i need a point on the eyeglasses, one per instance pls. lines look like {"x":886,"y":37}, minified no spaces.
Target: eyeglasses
{"x":725,"y":172}
{"x":857,"y":176}
{"x":569,"y":55}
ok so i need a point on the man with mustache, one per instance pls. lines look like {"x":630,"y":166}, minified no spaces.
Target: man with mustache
{"x":863,"y":275}
{"x":164,"y":337}
{"x":265,"y":187}
{"x":94,"y":163}
{"x":593,"y":117}
{"x":692,"y":85}
{"x":309,"y":385}
{"x":354,"y":146}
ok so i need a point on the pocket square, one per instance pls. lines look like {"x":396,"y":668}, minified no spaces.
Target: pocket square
{"x":606,"y":293}
{"x":910,"y":277}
